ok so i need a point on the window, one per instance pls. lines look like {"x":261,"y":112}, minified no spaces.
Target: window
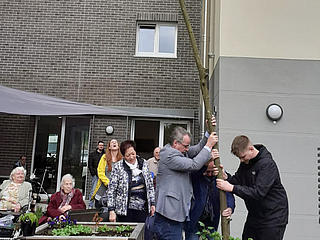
{"x":149,"y":134}
{"x":156,"y":40}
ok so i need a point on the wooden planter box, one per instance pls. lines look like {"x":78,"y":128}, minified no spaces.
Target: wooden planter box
{"x":137,"y":233}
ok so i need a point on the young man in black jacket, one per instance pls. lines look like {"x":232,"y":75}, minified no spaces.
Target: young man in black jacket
{"x":257,"y":181}
{"x":94,"y":158}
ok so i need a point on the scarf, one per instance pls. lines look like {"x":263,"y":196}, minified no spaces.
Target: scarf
{"x":134,"y":168}
{"x":66,"y":198}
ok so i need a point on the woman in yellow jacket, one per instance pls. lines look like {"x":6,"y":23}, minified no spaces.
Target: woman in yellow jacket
{"x":106,"y":163}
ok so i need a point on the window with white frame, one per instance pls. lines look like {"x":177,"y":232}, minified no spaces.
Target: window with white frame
{"x":156,"y":40}
{"x":151,"y":133}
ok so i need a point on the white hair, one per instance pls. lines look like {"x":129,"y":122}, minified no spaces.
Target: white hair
{"x":67,"y":177}
{"x":17,"y":169}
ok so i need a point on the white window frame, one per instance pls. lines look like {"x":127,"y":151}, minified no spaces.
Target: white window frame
{"x":161,"y":127}
{"x":156,"y":52}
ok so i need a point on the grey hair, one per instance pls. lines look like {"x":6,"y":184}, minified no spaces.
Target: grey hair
{"x":17,"y":169}
{"x":66,"y":177}
{"x":177,"y":134}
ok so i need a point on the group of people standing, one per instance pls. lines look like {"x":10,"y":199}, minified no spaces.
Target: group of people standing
{"x":186,"y":189}
{"x":122,"y":182}
{"x":257,"y":181}
{"x":184,"y":193}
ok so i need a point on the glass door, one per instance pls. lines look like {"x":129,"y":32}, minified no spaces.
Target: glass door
{"x":76,"y":147}
{"x":47,"y":153}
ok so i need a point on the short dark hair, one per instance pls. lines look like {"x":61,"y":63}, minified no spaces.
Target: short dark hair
{"x":100,"y":142}
{"x":239,"y":144}
{"x":125,"y":145}
{"x":21,"y":156}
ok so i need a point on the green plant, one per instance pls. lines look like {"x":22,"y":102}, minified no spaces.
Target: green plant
{"x":123,"y":228}
{"x":72,"y":230}
{"x":29,"y":217}
{"x":104,"y":229}
{"x":38,"y":212}
{"x":207,"y":233}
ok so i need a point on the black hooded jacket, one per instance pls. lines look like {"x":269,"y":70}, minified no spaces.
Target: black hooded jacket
{"x":258,"y":183}
{"x":94,"y":158}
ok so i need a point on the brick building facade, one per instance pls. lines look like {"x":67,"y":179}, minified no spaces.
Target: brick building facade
{"x":86,"y":51}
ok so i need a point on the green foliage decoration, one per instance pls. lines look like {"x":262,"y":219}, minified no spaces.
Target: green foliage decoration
{"x":121,"y":230}
{"x":207,"y":233}
{"x":29,"y":217}
{"x":72,"y":230}
{"x":38,"y":212}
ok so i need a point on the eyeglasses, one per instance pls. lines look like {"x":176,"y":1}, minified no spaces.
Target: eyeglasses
{"x":185,"y":145}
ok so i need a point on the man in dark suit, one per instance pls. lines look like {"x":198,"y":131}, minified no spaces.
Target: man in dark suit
{"x":174,"y":186}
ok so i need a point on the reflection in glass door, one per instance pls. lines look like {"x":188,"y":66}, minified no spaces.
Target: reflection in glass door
{"x":47,"y":152}
{"x":76,"y":147}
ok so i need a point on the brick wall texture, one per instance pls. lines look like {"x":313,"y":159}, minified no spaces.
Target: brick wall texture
{"x":16,"y":139}
{"x":84,"y":50}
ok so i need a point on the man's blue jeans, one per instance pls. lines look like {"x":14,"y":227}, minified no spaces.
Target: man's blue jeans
{"x":167,"y":229}
{"x":191,"y":236}
{"x":94,"y":184}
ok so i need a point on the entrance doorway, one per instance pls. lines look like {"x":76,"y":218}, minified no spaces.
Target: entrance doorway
{"x":149,"y":134}
{"x":49,"y":164}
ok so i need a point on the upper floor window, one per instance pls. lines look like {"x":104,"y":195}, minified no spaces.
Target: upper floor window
{"x":156,"y":40}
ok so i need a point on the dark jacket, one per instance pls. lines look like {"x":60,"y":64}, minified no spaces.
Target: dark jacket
{"x":202,"y":186}
{"x":55,"y":201}
{"x":259,"y":184}
{"x":94,"y":158}
{"x":119,"y":190}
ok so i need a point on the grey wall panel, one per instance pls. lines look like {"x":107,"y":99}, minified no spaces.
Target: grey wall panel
{"x":246,"y":87}
{"x":270,"y":75}
{"x":240,"y":110}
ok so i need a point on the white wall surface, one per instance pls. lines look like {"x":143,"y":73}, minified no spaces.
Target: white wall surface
{"x":270,"y":28}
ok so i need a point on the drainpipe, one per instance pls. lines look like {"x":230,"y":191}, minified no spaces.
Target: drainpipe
{"x":203,"y":46}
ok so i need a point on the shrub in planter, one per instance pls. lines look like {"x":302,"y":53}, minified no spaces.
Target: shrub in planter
{"x":29,"y":222}
{"x":122,"y":230}
{"x":208,"y":233}
{"x":72,"y":230}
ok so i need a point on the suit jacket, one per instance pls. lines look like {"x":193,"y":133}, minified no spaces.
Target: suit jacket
{"x":174,"y":187}
{"x":23,"y":189}
{"x":202,"y":188}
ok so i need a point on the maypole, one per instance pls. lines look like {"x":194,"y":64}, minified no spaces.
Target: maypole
{"x":203,"y":76}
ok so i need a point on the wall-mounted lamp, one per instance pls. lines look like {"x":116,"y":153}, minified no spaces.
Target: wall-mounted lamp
{"x":109,"y":130}
{"x":274,"y":112}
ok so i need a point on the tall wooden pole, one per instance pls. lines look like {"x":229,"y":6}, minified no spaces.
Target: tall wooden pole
{"x":203,"y":76}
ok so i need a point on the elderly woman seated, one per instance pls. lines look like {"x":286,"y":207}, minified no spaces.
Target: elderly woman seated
{"x":15,"y":192}
{"x":68,"y":198}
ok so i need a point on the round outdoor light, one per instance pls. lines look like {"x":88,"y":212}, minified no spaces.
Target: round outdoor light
{"x":274,"y":112}
{"x":109,"y":130}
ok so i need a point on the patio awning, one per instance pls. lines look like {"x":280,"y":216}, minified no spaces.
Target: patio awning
{"x":13,"y":101}
{"x":19,"y":102}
